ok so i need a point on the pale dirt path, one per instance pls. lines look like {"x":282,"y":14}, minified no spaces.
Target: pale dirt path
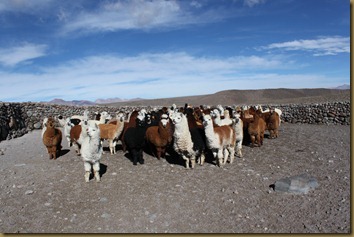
{"x":39,"y":195}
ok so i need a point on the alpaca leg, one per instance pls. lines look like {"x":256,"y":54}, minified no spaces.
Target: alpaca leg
{"x":77,"y":149}
{"x":111,"y":147}
{"x":96,"y":170}
{"x":231,"y":154}
{"x":226,"y":155}
{"x":87,"y":166}
{"x":141,"y":157}
{"x":192,"y":162}
{"x":253,"y":138}
{"x":261,"y":136}
{"x":186,"y":161}
{"x":220,"y":157}
{"x":134,"y":156}
{"x":163,"y":152}
{"x":114,"y":147}
{"x":202,"y":159}
{"x":239,"y":148}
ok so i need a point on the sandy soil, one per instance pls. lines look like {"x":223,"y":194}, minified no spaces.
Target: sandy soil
{"x":39,"y":195}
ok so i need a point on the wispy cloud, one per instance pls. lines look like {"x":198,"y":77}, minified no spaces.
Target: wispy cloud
{"x":24,"y":6}
{"x":319,"y":47}
{"x":142,"y":15}
{"x":12,"y":56}
{"x":151,"y":76}
{"x":251,"y":3}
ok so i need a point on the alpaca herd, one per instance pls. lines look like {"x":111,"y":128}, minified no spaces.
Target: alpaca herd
{"x":193,"y":133}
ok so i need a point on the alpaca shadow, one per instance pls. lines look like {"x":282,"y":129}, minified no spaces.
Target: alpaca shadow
{"x":129,"y":156}
{"x":63,"y":152}
{"x":209,"y":157}
{"x":173,"y":158}
{"x":103,"y":169}
{"x":106,"y":149}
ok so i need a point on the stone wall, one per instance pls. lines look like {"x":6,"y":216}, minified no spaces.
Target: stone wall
{"x":16,"y":119}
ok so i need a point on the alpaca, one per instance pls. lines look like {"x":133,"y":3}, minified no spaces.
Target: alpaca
{"x":256,"y":129}
{"x":91,"y":150}
{"x":52,"y":139}
{"x":135,"y":139}
{"x":221,"y":140}
{"x":183,"y":143}
{"x":159,"y":137}
{"x":238,"y":128}
{"x":111,"y":132}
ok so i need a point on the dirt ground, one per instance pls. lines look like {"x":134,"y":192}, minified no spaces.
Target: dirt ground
{"x":39,"y":195}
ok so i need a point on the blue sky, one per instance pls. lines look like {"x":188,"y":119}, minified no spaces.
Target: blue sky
{"x":88,"y":49}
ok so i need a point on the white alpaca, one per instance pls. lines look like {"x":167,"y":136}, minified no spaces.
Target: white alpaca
{"x":221,"y":140}
{"x":104,"y":116}
{"x":238,"y":128}
{"x":91,"y":150}
{"x":217,"y":118}
{"x":183,"y":143}
{"x":44,"y":126}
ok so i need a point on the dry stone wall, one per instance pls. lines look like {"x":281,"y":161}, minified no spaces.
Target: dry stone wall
{"x":16,"y":119}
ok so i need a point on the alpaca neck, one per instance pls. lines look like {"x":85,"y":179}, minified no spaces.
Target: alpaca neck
{"x":50,"y":131}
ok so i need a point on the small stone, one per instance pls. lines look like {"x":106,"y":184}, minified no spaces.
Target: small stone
{"x":105,"y":215}
{"x":29,"y":192}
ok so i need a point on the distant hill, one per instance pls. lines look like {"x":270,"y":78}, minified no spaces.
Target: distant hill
{"x":264,"y":96}
{"x":229,"y":97}
{"x":343,"y":87}
{"x":71,"y":103}
{"x":113,"y":100}
{"x":89,"y":103}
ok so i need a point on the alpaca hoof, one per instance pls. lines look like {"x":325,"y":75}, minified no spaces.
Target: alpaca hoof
{"x":87,"y":177}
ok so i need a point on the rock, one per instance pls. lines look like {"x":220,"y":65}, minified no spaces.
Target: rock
{"x":37,"y":125}
{"x":296,"y":184}
{"x":29,"y":192}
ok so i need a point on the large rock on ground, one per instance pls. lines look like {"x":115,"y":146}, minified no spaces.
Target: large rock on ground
{"x":296,"y":184}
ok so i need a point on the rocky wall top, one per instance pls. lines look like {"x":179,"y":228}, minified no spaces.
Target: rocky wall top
{"x":16,"y":119}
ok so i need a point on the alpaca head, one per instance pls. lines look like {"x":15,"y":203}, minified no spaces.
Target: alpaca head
{"x":50,"y":123}
{"x":207,"y":120}
{"x":164,"y":120}
{"x":237,"y":118}
{"x":93,"y":131}
{"x":178,"y":118}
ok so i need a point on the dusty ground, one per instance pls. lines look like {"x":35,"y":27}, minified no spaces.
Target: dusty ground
{"x":39,"y":195}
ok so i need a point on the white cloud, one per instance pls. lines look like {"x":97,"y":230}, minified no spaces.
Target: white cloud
{"x":251,"y":3}
{"x":141,"y":15}
{"x":24,"y":6}
{"x":135,"y":14}
{"x":319,"y":47}
{"x":12,"y":56}
{"x":151,"y":76}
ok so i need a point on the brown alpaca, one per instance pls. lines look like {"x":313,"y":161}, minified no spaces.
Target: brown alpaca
{"x":273,"y":124}
{"x":256,"y":129}
{"x":159,"y":137}
{"x":52,"y":139}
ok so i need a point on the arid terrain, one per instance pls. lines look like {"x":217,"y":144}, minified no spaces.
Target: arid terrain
{"x":39,"y":195}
